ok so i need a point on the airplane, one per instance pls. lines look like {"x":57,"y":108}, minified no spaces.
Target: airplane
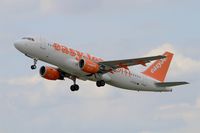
{"x":74,"y":65}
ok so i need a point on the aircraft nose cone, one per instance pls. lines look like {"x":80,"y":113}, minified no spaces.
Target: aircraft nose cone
{"x":18,"y":45}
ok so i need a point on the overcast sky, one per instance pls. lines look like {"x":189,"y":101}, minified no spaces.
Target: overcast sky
{"x":111,"y":29}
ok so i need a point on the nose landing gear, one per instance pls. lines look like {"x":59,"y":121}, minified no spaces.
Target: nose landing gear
{"x":33,"y":67}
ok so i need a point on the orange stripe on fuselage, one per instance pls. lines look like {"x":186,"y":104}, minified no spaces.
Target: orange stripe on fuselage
{"x":79,"y":55}
{"x":74,"y":53}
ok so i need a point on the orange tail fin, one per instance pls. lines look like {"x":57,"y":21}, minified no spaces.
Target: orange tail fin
{"x":159,"y":69}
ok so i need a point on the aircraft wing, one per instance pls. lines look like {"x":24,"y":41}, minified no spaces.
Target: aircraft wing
{"x":112,"y":65}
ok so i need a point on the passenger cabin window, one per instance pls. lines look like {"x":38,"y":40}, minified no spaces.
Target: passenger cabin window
{"x":28,"y":38}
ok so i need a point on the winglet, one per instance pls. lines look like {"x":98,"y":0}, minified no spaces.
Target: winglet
{"x":159,"y":69}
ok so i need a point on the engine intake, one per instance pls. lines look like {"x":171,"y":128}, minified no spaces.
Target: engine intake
{"x":50,"y":73}
{"x":89,"y":66}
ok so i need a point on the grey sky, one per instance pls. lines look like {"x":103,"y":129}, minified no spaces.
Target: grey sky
{"x":112,"y":30}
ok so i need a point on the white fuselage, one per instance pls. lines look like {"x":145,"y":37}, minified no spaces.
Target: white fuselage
{"x":68,"y":62}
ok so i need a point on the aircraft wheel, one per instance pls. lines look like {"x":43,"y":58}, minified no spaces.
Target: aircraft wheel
{"x":33,"y":67}
{"x":98,"y":84}
{"x":102,"y":83}
{"x":74,"y":87}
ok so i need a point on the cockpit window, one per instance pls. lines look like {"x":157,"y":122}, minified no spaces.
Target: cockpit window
{"x":28,"y":38}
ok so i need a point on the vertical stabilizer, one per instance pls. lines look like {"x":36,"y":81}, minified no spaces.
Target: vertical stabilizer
{"x":158,"y":70}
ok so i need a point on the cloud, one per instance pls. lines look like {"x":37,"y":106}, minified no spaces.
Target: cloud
{"x":31,"y":88}
{"x":90,"y":6}
{"x":47,"y":5}
{"x":31,"y":81}
{"x":34,"y":89}
{"x":181,"y":64}
{"x":22,"y":81}
{"x":187,"y":112}
{"x":18,"y":6}
{"x":69,"y":6}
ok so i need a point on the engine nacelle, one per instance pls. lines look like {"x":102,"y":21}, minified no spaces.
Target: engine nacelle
{"x":50,"y":73}
{"x":89,"y":66}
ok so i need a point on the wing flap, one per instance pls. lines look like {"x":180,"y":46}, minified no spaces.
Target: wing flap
{"x":170,"y":84}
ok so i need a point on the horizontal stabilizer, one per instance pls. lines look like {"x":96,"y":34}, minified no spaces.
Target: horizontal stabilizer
{"x":170,"y":84}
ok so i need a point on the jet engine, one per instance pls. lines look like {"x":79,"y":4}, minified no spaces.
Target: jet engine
{"x":50,"y":73}
{"x":89,"y":66}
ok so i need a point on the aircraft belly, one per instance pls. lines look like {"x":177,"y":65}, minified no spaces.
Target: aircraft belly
{"x":130,"y":83}
{"x":121,"y":81}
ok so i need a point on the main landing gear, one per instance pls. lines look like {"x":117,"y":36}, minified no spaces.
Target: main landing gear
{"x":100,"y":83}
{"x":33,"y":67}
{"x":74,"y":87}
